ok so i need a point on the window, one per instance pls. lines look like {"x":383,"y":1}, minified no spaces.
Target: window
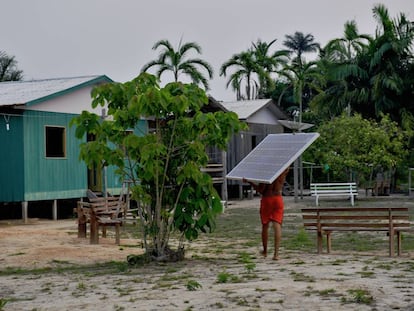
{"x":55,"y":142}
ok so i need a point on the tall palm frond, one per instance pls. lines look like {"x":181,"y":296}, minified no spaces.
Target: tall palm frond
{"x":177,"y":62}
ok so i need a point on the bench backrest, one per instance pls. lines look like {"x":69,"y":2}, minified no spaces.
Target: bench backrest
{"x":98,"y":205}
{"x":363,"y":217}
{"x":320,"y":188}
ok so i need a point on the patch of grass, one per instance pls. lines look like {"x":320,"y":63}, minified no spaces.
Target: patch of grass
{"x":81,"y":286}
{"x":225,"y":277}
{"x":3,"y":302}
{"x":124,"y":291}
{"x":384,"y":266}
{"x":246,"y":259}
{"x":365,"y":273}
{"x":326,"y":292}
{"x":301,"y":277}
{"x":192,"y":285}
{"x":300,"y":241}
{"x":109,"y":267}
{"x":338,"y":262}
{"x":17,"y":254}
{"x":360,"y":296}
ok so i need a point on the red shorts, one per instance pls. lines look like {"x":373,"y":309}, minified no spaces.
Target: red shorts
{"x":271,"y":209}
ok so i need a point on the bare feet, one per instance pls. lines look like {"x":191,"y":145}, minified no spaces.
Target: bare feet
{"x":275,"y":257}
{"x":264,"y":254}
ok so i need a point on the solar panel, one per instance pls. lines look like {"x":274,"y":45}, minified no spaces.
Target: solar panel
{"x":272,"y":156}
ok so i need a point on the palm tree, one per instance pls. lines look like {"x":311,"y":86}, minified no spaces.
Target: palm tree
{"x":177,"y":62}
{"x":391,"y":63}
{"x":269,"y":62}
{"x":339,"y":63}
{"x":255,"y":67}
{"x":299,"y":44}
{"x":8,"y":68}
{"x":300,"y":78}
{"x":246,"y":67}
{"x":347,"y":48}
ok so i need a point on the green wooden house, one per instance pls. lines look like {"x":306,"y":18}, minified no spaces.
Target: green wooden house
{"x":39,"y":154}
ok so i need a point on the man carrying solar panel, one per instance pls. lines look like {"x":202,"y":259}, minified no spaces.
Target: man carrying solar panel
{"x":271,"y":210}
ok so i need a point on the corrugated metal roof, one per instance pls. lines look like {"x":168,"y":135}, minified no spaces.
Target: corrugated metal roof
{"x":27,"y":92}
{"x":246,"y":108}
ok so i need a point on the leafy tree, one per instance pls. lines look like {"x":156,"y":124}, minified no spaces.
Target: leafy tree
{"x":165,"y":163}
{"x":352,"y":146}
{"x":8,"y":68}
{"x":177,"y":62}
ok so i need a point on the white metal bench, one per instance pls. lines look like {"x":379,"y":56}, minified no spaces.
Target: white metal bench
{"x":334,"y":189}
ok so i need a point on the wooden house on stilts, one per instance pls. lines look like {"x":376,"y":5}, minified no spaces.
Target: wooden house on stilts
{"x":262,"y":117}
{"x":39,"y":158}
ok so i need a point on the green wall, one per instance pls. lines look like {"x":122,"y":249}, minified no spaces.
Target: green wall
{"x":26,"y":174}
{"x":11,"y":158}
{"x":51,"y":178}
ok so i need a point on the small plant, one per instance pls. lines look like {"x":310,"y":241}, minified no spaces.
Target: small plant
{"x":250,"y":267}
{"x":301,"y":277}
{"x":3,"y":302}
{"x":223,"y":277}
{"x":361,"y":296}
{"x":326,"y":292}
{"x":81,"y":286}
{"x":248,"y":262}
{"x":193,"y":285}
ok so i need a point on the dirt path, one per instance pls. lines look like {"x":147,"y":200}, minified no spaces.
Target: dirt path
{"x":299,"y":281}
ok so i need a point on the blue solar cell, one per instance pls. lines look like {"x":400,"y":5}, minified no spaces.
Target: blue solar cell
{"x":272,"y":156}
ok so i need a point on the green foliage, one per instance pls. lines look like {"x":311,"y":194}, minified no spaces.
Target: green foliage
{"x":353,"y":144}
{"x":8,"y":68}
{"x":3,"y":303}
{"x":193,"y":285}
{"x":163,"y":164}
{"x":248,"y":262}
{"x":360,"y":296}
{"x":177,"y":62}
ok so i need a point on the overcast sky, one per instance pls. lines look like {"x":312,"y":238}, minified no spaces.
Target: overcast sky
{"x":65,"y":38}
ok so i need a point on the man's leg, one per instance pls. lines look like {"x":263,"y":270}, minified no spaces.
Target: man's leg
{"x":277,"y":228}
{"x":265,"y":230}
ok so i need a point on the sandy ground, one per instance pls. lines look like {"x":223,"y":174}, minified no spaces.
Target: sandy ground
{"x":299,"y":281}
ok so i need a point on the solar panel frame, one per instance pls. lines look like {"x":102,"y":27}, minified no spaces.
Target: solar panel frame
{"x":272,"y":156}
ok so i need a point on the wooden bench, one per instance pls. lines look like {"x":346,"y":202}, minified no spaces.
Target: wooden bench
{"x":100,"y":212}
{"x":348,"y":189}
{"x":392,"y":220}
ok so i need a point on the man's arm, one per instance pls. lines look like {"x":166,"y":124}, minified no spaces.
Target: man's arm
{"x":259,"y":188}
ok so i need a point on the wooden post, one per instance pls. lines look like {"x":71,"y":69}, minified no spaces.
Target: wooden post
{"x":117,"y":237}
{"x":54,"y":210}
{"x":224,"y":194}
{"x":399,"y":243}
{"x":319,"y":233}
{"x":25,"y":205}
{"x":82,"y":221}
{"x":391,"y":233}
{"x":94,"y":238}
{"x":328,"y":241}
